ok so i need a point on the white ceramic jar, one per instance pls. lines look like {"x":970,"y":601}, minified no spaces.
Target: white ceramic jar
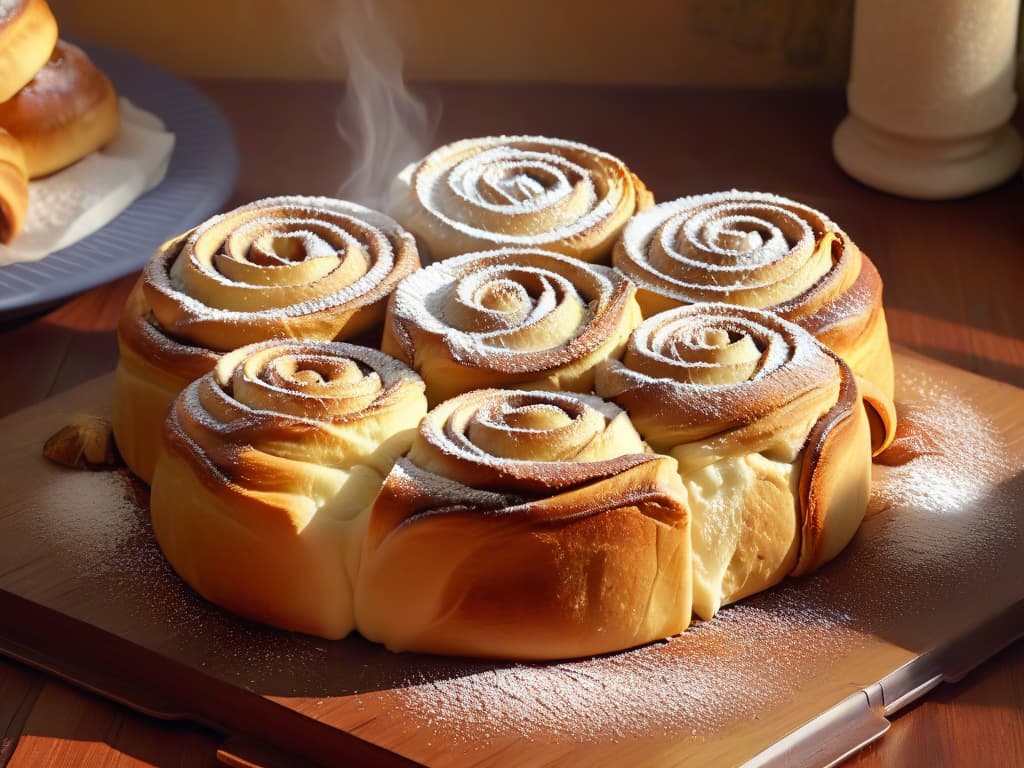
{"x":930,"y":94}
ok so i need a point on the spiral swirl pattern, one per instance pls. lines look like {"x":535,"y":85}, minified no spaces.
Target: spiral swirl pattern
{"x":269,"y":466}
{"x":539,"y":442}
{"x":527,"y":525}
{"x":708,"y":370}
{"x":329,"y":399}
{"x":745,"y":248}
{"x":522,"y":318}
{"x":290,"y":267}
{"x":518,"y":191}
{"x":768,"y":429}
{"x":767,"y":252}
{"x":278,"y":268}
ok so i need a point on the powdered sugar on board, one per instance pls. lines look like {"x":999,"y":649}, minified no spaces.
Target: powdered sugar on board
{"x":939,"y":522}
{"x":96,"y":524}
{"x":939,"y":548}
{"x":88,"y":517}
{"x":692,"y":685}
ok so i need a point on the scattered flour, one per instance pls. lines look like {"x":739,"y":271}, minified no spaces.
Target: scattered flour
{"x":940,"y":524}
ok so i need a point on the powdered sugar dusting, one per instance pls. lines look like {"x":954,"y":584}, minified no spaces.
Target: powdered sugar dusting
{"x":678,"y":391}
{"x":447,"y":493}
{"x":375,"y":374}
{"x":940,"y":549}
{"x":674,"y":338}
{"x":473,"y":184}
{"x":731,"y":246}
{"x":679,"y":687}
{"x":447,"y":428}
{"x":96,"y":525}
{"x":956,"y":472}
{"x":571,"y":310}
{"x":349,"y":227}
{"x":248,"y":655}
{"x":942,"y":523}
{"x":87,"y":516}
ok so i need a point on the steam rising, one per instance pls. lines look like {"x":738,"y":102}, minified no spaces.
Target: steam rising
{"x":384,"y":126}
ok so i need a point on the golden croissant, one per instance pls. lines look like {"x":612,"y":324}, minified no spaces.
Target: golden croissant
{"x":28,"y":32}
{"x":13,"y":187}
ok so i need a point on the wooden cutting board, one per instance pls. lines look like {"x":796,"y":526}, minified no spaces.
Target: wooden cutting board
{"x":933,"y":584}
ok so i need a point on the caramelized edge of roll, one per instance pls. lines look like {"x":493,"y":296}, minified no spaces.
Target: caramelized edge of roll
{"x":832,"y":506}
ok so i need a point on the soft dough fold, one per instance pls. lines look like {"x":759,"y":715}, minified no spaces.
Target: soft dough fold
{"x":269,"y":465}
{"x":770,"y":435}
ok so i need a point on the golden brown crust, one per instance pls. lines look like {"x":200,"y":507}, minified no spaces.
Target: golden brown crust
{"x":769,"y":432}
{"x":767,"y":252}
{"x":152,"y":369}
{"x":69,"y":110}
{"x":848,"y":318}
{"x":13,"y":187}
{"x":520,"y":318}
{"x":28,"y":33}
{"x":467,"y":554}
{"x":833,"y":497}
{"x":912,"y":440}
{"x":882,"y":418}
{"x":269,"y":465}
{"x":225,"y":284}
{"x":519,"y":192}
{"x":141,"y":335}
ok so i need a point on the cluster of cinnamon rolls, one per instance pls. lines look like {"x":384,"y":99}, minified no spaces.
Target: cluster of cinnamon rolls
{"x":56,"y":106}
{"x":586,"y":420}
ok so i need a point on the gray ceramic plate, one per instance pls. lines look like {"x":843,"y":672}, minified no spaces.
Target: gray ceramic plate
{"x":200,"y":176}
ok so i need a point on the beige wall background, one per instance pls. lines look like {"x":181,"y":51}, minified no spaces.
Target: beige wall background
{"x":730,"y":43}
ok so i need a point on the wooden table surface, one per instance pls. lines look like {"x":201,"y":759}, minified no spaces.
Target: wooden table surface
{"x":953,"y":275}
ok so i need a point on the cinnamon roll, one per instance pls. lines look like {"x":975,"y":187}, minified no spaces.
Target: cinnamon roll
{"x":768,"y":252}
{"x":526,"y":319}
{"x":288,"y":267}
{"x":767,"y":427}
{"x":519,"y":192}
{"x":68,"y":110}
{"x":13,"y":187}
{"x":28,"y":33}
{"x":269,"y":466}
{"x":526,"y":525}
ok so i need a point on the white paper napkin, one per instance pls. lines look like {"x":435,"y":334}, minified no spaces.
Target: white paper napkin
{"x":73,"y":203}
